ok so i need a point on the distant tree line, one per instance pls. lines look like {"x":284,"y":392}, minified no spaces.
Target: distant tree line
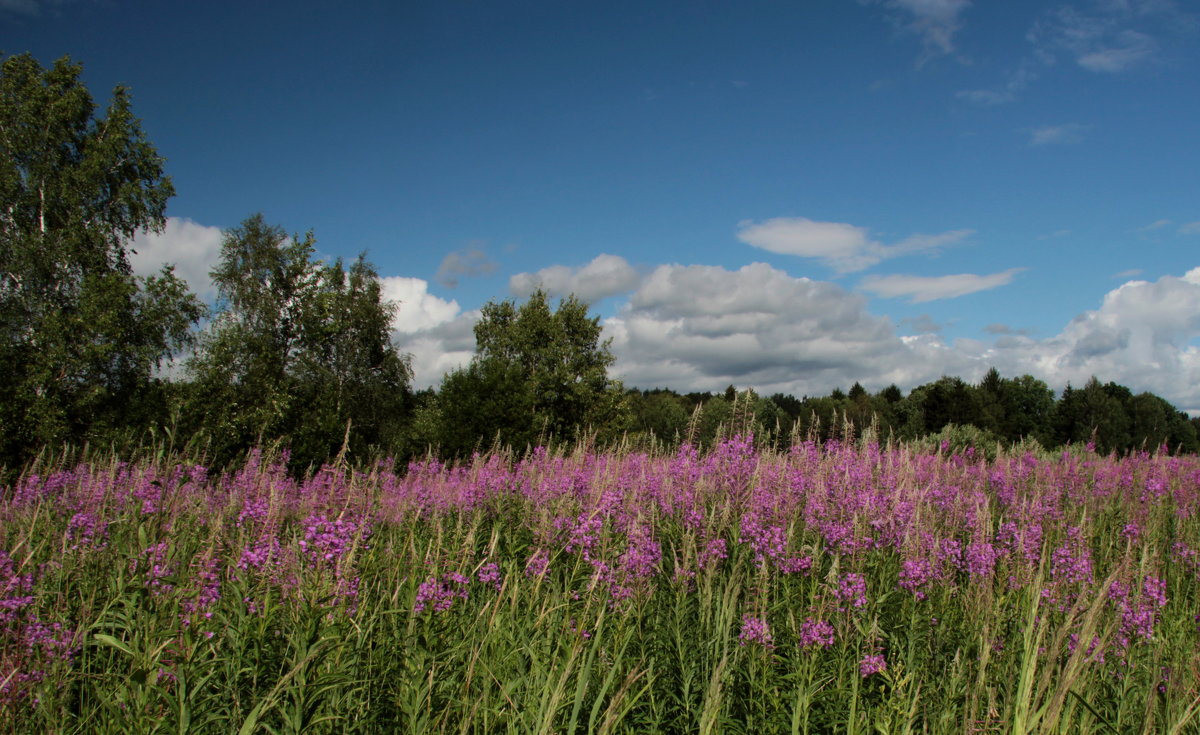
{"x":995,"y":411}
{"x":296,"y":352}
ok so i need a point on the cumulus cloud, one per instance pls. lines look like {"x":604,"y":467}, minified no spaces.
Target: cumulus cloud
{"x":1142,"y":336}
{"x":758,"y":326}
{"x":193,"y":249}
{"x":920,"y":289}
{"x":1057,"y":134}
{"x":435,"y":332}
{"x":606,"y":275}
{"x":439,"y":349}
{"x":470,"y":261}
{"x":843,"y":247}
{"x":418,"y":309}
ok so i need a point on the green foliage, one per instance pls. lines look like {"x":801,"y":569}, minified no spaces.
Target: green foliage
{"x":487,"y":401}
{"x":713,"y":421}
{"x":1027,"y":404}
{"x":538,"y":373}
{"x":80,"y":335}
{"x":949,"y":400}
{"x":1155,"y":423}
{"x":299,"y":352}
{"x":1115,"y":420}
{"x":954,"y":439}
{"x":662,"y":414}
{"x":1012,"y":411}
{"x":1092,"y":414}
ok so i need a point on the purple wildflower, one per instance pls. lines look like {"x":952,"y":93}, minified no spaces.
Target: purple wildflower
{"x":815,"y":633}
{"x":489,"y":573}
{"x":537,"y":564}
{"x":86,"y":531}
{"x":852,"y":588}
{"x":714,"y":551}
{"x":755,"y":630}
{"x":441,"y":593}
{"x":915,"y":574}
{"x":872,"y":664}
{"x":326,"y":541}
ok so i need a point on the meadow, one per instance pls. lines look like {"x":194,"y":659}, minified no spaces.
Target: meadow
{"x":838,"y":587}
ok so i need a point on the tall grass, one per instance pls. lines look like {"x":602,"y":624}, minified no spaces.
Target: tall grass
{"x":835,"y":588}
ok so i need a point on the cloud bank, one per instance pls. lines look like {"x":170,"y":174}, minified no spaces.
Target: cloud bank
{"x":765,"y":329}
{"x":758,"y":326}
{"x":702,"y":327}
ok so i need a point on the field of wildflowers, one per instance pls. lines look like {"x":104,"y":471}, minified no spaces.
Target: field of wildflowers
{"x":837,"y":588}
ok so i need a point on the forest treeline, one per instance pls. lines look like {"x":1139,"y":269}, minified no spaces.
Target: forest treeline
{"x":297,"y":352}
{"x":994,"y":411}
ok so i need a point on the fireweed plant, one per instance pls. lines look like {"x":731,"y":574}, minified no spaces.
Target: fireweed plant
{"x":835,"y":588}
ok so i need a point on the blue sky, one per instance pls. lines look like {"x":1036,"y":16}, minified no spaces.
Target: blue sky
{"x":788,"y":196}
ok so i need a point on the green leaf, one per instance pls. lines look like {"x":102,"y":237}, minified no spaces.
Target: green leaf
{"x":108,"y":640}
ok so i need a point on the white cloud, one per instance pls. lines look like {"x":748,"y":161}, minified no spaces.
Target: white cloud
{"x":193,"y":249}
{"x":418,"y":309}
{"x":705,"y":327}
{"x":1191,"y":228}
{"x":758,"y":326}
{"x":439,"y":349}
{"x":920,"y":289}
{"x":845,"y":248}
{"x":1140,"y":336}
{"x":1057,"y":134}
{"x":1109,"y":37}
{"x":935,"y":21}
{"x":800,"y":236}
{"x":435,"y":332}
{"x":470,"y":261}
{"x":998,"y":328}
{"x":606,"y":275}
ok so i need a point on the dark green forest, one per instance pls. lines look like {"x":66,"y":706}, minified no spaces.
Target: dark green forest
{"x":296,"y":353}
